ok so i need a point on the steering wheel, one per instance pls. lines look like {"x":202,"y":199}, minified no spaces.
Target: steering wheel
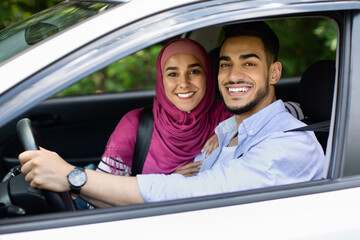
{"x":28,"y":136}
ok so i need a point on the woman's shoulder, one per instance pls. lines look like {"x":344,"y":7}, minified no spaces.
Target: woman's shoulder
{"x":135,"y":113}
{"x":129,"y":120}
{"x":132,"y":116}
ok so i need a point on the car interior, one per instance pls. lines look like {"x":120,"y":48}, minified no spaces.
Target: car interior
{"x":320,"y":92}
{"x":77,"y":127}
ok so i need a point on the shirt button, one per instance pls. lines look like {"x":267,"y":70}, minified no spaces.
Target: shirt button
{"x":251,"y":132}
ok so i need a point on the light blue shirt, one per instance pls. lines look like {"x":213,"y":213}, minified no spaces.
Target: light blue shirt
{"x":265,"y":156}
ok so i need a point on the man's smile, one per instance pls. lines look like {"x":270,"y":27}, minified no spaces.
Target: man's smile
{"x":237,"y":89}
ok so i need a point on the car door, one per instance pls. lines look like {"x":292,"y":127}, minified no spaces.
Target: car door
{"x":311,"y":210}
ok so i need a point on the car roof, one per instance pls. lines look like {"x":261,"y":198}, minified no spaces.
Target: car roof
{"x":36,"y":58}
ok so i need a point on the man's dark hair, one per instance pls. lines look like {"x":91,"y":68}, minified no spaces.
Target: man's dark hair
{"x":256,"y":29}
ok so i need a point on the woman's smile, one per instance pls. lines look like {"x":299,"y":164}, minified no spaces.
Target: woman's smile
{"x":186,"y":95}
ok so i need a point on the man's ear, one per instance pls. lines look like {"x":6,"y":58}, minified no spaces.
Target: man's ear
{"x":275,"y":72}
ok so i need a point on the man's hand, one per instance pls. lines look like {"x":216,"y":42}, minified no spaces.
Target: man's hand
{"x":44,"y":169}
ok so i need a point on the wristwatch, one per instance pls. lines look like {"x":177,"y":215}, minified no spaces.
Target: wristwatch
{"x":76,"y":178}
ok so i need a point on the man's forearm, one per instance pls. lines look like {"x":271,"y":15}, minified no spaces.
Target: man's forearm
{"x":95,"y":203}
{"x":105,"y":189}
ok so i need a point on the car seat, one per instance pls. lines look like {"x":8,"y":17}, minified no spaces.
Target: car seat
{"x":214,"y":58}
{"x":316,"y":95}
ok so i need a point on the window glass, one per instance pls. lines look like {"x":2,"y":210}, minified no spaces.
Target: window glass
{"x":40,"y":26}
{"x":135,"y":72}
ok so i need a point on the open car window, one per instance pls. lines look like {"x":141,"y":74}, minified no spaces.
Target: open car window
{"x":86,"y":100}
{"x":77,"y":102}
{"x":318,"y":41}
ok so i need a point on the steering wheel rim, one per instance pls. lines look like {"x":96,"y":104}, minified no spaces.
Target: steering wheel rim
{"x":28,"y":136}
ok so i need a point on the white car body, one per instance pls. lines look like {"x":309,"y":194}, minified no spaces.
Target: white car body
{"x":325,"y":209}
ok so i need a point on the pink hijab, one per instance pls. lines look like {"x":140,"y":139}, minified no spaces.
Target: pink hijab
{"x":179,"y":136}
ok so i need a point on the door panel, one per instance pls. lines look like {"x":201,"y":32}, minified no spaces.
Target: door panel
{"x":77,"y":128}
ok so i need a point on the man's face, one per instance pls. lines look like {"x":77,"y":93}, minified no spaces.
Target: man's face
{"x":244,"y":80}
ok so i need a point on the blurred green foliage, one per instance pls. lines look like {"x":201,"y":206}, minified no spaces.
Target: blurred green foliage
{"x":12,"y":11}
{"x":302,"y":42}
{"x":135,"y":72}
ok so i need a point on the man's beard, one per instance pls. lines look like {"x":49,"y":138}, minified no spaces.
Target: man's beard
{"x":260,"y":95}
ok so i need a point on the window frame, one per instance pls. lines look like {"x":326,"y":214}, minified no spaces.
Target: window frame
{"x":347,"y":114}
{"x":121,"y":48}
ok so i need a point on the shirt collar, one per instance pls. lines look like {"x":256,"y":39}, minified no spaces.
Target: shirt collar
{"x":255,"y":122}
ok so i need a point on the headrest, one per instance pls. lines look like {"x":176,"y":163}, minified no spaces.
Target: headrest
{"x":214,"y":57}
{"x":317,"y":89}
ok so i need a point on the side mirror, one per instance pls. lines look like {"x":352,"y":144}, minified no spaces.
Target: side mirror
{"x":37,"y":32}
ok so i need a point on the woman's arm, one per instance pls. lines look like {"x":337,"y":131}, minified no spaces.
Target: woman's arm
{"x":118,"y":155}
{"x":190,"y":169}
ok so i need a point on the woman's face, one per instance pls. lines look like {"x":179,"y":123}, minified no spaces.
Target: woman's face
{"x":184,"y":79}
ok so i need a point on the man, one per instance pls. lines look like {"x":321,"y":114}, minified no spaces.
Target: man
{"x":254,"y":152}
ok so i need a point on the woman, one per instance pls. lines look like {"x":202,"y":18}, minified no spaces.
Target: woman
{"x":185,"y":115}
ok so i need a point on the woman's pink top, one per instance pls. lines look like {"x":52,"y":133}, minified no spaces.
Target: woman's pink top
{"x":120,"y":147}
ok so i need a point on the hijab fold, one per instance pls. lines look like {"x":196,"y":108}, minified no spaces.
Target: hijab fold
{"x":179,"y":136}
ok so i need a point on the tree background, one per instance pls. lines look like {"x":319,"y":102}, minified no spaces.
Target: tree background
{"x":318,"y":41}
{"x":12,"y":11}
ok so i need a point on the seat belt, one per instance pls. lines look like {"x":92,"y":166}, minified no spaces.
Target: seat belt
{"x":143,"y":139}
{"x":316,"y":127}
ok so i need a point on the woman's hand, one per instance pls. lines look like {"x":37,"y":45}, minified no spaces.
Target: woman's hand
{"x":189,"y":169}
{"x":44,"y":169}
{"x":212,"y":143}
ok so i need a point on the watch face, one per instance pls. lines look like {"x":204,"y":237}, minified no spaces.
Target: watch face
{"x":77,"y":177}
